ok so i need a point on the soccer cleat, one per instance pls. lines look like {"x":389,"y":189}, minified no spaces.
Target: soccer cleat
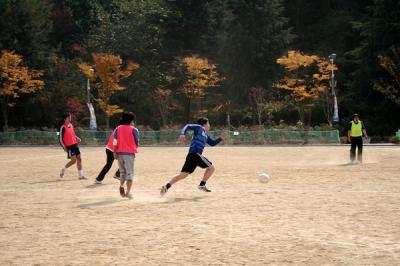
{"x":204,"y":188}
{"x":122,"y":191}
{"x":129,"y":196}
{"x":98,"y":182}
{"x":82,"y":177}
{"x":62,"y":172}
{"x":163,"y":190}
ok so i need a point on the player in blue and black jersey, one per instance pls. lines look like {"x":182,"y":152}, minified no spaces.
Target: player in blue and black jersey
{"x":195,"y":156}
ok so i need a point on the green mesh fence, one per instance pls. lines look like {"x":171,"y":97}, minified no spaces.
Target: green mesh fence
{"x":267,"y":136}
{"x":398,"y":133}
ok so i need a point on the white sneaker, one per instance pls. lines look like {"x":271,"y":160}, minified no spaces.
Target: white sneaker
{"x":98,"y":182}
{"x":82,"y":177}
{"x":163,"y":190}
{"x":62,"y":172}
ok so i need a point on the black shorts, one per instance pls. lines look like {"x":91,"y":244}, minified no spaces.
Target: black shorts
{"x":193,"y":160}
{"x":73,"y":150}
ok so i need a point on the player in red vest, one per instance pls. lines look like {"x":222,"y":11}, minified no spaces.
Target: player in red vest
{"x":110,"y":160}
{"x":69,"y":141}
{"x":126,"y":141}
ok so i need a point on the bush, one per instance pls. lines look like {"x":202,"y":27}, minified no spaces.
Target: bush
{"x":394,"y":139}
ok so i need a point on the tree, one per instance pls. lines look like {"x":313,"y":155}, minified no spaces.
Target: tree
{"x":390,"y":85}
{"x":200,"y":75}
{"x":304,"y":85}
{"x":251,"y":35}
{"x":106,"y":73}
{"x":15,"y":79}
{"x":162,"y":98}
{"x":78,"y":111}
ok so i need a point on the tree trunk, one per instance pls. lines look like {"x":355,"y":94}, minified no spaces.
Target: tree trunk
{"x":5,"y":115}
{"x":163,"y":113}
{"x":300,"y":109}
{"x":107,"y":122}
{"x":188,"y":118}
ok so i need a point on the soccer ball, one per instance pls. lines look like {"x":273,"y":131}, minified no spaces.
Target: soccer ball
{"x":264,"y":178}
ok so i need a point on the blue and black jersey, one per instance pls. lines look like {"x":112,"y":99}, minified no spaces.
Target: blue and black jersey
{"x":199,"y":138}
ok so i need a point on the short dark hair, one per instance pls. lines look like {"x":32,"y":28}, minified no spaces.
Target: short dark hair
{"x":127,"y":118}
{"x":65,"y":115}
{"x":202,"y":121}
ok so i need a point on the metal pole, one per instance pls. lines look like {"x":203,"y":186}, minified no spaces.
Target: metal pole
{"x":92,"y":121}
{"x":335,"y":117}
{"x":88,"y":90}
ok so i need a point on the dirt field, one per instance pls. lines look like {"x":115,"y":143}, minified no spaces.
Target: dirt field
{"x":315,"y":210}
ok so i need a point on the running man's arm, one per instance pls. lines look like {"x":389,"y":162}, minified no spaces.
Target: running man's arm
{"x":188,"y":127}
{"x":185,"y":129}
{"x":349,"y":132}
{"x":364,"y":131}
{"x":213,"y":142}
{"x":115,"y":143}
{"x":136,"y":136}
{"x":60,"y":137}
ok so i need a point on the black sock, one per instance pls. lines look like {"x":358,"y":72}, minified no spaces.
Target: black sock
{"x":202,"y":183}
{"x":168,"y":185}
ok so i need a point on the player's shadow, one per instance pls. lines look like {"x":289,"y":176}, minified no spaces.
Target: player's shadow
{"x":51,"y":181}
{"x":98,"y":203}
{"x":347,"y":164}
{"x":94,"y":185}
{"x":193,"y":199}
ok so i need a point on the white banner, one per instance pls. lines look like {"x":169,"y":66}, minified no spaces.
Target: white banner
{"x":93,"y":124}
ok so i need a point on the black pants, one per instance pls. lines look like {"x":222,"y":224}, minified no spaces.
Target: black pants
{"x":107,"y":167}
{"x":356,"y":142}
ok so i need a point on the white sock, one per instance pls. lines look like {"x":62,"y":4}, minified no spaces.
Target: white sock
{"x":80,"y":173}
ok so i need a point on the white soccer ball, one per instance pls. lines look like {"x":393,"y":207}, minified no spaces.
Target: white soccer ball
{"x":264,"y":178}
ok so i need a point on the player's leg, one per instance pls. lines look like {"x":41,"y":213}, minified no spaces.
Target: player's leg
{"x":107,"y":166}
{"x":359,"y":149}
{"x":188,"y":168}
{"x":117,"y":174}
{"x":79,"y":166}
{"x":353,"y":149}
{"x":180,"y":176}
{"x":122,"y":170}
{"x":203,"y":162}
{"x":129,"y":166}
{"x":71,"y":162}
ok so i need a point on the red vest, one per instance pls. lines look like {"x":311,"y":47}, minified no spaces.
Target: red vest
{"x":69,"y":137}
{"x":110,"y":143}
{"x":125,"y":139}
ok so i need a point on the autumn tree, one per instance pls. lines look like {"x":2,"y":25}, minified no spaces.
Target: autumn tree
{"x":15,"y":79}
{"x":200,"y":75}
{"x":306,"y":80}
{"x":106,"y":73}
{"x":163,"y":101}
{"x":390,"y":85}
{"x":78,"y":111}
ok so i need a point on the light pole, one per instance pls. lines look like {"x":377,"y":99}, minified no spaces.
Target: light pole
{"x":88,"y":86}
{"x":335,"y":117}
{"x":92,"y":123}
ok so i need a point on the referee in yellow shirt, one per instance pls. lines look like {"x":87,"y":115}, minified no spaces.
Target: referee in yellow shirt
{"x":356,"y":131}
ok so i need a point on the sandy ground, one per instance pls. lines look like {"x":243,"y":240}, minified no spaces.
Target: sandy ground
{"x":316,"y":210}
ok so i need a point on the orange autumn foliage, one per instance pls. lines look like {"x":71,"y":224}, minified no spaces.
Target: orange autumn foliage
{"x":16,"y":79}
{"x":302,"y":84}
{"x":200,"y":74}
{"x":106,"y":77}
